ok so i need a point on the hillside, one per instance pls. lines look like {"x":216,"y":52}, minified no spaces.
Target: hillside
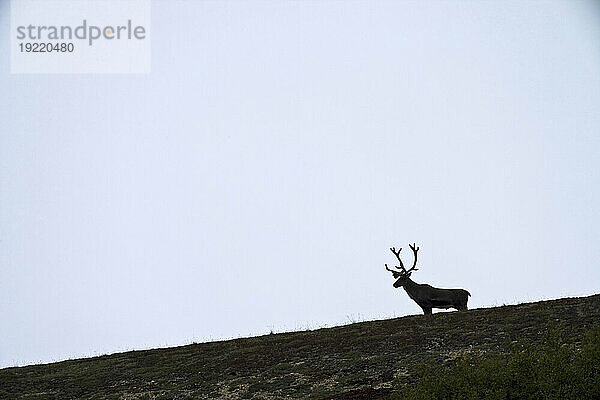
{"x":358,"y":361}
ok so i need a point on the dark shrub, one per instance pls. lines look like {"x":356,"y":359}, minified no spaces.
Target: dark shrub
{"x":553,"y":369}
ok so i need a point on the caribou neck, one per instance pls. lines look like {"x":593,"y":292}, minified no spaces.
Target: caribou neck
{"x":411,"y":288}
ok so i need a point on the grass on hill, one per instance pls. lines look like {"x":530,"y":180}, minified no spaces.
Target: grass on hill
{"x":555,"y":369}
{"x":504,"y":352}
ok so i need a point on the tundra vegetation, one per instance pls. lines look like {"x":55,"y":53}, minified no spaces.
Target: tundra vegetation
{"x":543,"y":350}
{"x":557,"y":368}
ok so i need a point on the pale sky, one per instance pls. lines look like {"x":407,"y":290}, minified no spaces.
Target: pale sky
{"x":255,"y":180}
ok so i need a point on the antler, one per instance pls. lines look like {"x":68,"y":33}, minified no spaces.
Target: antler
{"x":403,"y":271}
{"x":395,"y":273}
{"x":397,"y":254}
{"x":415,"y":249}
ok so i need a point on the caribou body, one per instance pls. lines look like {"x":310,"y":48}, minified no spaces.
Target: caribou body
{"x":426,"y":296}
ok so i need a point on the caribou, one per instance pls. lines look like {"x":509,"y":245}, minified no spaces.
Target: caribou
{"x":426,"y":296}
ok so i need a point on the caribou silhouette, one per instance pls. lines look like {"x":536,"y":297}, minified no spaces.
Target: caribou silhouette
{"x":426,"y":296}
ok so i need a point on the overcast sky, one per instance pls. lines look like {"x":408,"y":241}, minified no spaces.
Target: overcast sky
{"x":255,"y":180}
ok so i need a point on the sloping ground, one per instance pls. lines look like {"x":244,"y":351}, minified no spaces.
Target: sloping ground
{"x":358,"y":361}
